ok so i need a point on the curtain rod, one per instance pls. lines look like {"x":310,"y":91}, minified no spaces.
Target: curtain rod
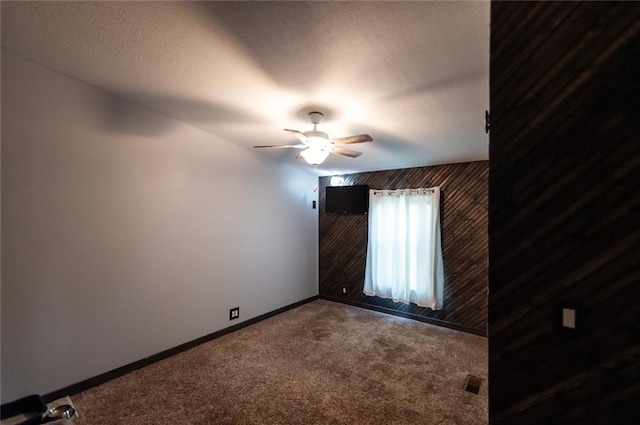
{"x":424,"y":190}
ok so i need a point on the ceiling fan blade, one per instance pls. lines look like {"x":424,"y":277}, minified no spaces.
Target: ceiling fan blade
{"x":346,"y":152}
{"x":299,"y":146}
{"x":361,"y":138}
{"x":299,"y":135}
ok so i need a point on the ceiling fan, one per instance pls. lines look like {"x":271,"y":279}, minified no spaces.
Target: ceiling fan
{"x":316,"y":144}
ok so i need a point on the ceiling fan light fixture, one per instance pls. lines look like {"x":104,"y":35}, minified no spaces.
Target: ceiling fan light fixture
{"x":317,"y":142}
{"x":314,"y":156}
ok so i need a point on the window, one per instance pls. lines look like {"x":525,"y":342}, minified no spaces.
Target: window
{"x":404,"y":252}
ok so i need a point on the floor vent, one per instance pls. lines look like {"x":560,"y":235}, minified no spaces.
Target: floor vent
{"x":473,"y":384}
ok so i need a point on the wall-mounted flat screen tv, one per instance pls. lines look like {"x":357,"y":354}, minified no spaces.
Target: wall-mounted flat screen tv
{"x":347,"y":199}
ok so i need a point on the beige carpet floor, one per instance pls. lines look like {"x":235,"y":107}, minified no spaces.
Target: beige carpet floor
{"x":321,"y":363}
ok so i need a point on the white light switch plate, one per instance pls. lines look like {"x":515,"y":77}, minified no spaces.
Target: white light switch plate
{"x":568,"y":318}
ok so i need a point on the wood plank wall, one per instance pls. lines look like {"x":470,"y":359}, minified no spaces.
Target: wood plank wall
{"x":343,"y":243}
{"x":564,"y":212}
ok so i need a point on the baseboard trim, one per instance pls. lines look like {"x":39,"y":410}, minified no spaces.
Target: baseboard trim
{"x":412,"y":316}
{"x":115,"y":373}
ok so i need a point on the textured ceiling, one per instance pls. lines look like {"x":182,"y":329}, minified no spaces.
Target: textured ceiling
{"x":413,"y":75}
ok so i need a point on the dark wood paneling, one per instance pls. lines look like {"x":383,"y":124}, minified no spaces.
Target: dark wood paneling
{"x":564,"y":210}
{"x":343,"y":243}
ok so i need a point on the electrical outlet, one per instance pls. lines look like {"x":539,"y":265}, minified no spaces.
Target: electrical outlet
{"x":234,"y":313}
{"x":344,"y":290}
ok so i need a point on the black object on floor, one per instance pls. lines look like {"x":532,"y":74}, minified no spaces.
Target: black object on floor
{"x":25,"y":411}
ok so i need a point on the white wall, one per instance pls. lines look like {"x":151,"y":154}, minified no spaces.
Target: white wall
{"x":125,"y":232}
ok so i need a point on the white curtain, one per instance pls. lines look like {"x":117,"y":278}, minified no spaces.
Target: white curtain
{"x":404,"y":252}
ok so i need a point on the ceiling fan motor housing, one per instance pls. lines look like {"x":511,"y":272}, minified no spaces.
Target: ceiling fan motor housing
{"x":318,"y":134}
{"x":317,"y":139}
